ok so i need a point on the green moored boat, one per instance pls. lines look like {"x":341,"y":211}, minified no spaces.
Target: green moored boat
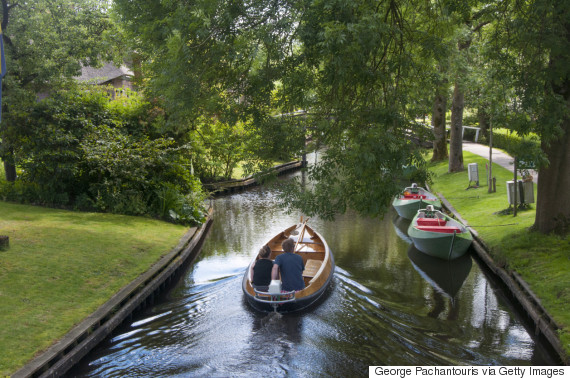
{"x":439,"y":235}
{"x":412,"y":199}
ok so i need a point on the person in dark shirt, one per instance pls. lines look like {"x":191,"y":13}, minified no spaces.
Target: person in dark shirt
{"x":262,"y":269}
{"x":290,"y":266}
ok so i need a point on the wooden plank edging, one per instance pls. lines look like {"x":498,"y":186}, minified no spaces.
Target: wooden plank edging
{"x":240,"y":184}
{"x":82,"y":338}
{"x":520,"y":291}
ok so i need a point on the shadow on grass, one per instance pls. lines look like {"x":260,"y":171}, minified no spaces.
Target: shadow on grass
{"x":520,"y":209}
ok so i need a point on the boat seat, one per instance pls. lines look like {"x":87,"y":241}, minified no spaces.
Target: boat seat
{"x":311,"y":268}
{"x":442,"y":229}
{"x":431,"y":222}
{"x":414,"y":196}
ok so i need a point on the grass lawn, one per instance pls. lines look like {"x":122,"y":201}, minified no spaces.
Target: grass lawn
{"x":63,"y":265}
{"x":239,"y":171}
{"x":542,"y":260}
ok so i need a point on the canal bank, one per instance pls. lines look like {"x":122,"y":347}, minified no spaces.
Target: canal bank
{"x":135,"y":296}
{"x":233,"y":186}
{"x":65,"y":353}
{"x":544,"y":325}
{"x":517,"y":259}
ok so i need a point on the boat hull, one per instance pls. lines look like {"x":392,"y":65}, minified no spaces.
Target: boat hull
{"x":438,"y":235}
{"x":407,"y":208}
{"x":298,"y":305}
{"x":443,"y":246}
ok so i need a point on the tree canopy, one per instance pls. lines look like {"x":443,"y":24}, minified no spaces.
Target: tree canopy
{"x":46,"y":43}
{"x":364,"y":71}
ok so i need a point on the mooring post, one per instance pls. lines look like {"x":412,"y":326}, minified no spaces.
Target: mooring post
{"x":4,"y":242}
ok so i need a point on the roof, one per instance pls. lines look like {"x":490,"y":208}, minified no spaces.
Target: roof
{"x":104,"y":74}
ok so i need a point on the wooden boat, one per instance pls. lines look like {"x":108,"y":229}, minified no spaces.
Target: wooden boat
{"x":412,"y":199}
{"x":318,"y":273}
{"x":439,"y":235}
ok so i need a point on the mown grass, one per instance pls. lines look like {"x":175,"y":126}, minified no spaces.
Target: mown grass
{"x":63,"y":265}
{"x":542,"y":260}
{"x":240,"y":173}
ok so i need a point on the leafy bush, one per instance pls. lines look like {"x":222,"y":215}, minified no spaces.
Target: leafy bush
{"x":81,"y":149}
{"x":221,"y":147}
{"x":527,"y":150}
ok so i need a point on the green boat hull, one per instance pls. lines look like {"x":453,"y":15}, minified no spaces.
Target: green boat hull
{"x":440,"y":245}
{"x":408,"y":208}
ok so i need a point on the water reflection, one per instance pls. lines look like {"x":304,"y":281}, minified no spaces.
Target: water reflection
{"x":380,"y":310}
{"x":445,"y":276}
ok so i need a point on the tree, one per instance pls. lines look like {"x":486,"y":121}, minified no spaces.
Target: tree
{"x":46,"y":42}
{"x":438,"y":121}
{"x":215,"y":62}
{"x":470,"y":20}
{"x":361,"y":68}
{"x":369,"y":60}
{"x":537,"y":60}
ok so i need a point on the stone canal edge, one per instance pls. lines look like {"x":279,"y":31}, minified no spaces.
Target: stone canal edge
{"x":544,"y":325}
{"x":68,"y":351}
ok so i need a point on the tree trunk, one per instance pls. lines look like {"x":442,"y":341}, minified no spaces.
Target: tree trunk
{"x":483,"y":117}
{"x":10,"y":170}
{"x":456,"y":137}
{"x":553,"y":198}
{"x":438,"y":123}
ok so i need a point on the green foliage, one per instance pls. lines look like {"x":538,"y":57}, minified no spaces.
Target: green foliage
{"x":45,"y":43}
{"x":361,"y":175}
{"x":50,"y":152}
{"x":80,"y":149}
{"x":363,"y":70}
{"x":527,"y":150}
{"x":366,"y":78}
{"x":528,"y":67}
{"x":215,"y":65}
{"x":221,"y":147}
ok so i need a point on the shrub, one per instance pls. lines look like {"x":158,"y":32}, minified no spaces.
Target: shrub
{"x":527,"y":150}
{"x":80,"y":149}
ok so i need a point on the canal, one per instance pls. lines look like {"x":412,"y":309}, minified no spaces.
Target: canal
{"x":388,"y":305}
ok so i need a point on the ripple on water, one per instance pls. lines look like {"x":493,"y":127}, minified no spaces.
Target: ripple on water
{"x":382,"y":309}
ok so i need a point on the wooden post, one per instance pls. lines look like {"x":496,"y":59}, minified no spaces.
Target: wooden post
{"x":4,"y":242}
{"x":305,"y":142}
{"x":515,"y":188}
{"x":489,"y":189}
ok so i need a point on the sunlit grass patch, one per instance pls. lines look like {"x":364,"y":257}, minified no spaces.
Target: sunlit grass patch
{"x":63,"y":265}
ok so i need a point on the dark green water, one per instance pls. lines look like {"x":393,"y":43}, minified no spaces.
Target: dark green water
{"x":388,"y":305}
